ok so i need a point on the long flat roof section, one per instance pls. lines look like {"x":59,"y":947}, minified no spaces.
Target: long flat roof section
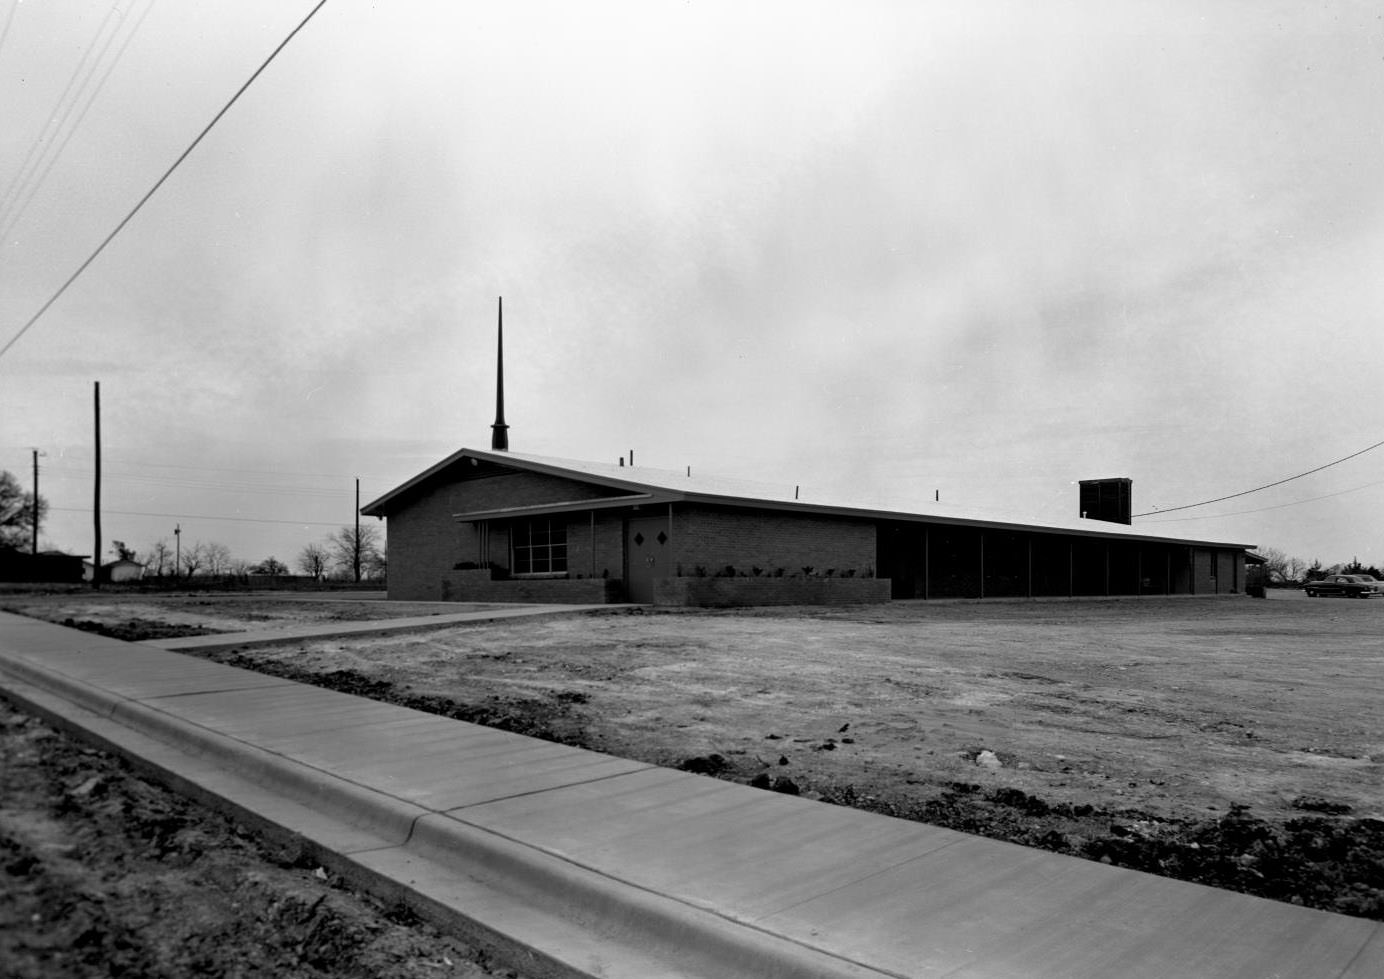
{"x":662,"y":485}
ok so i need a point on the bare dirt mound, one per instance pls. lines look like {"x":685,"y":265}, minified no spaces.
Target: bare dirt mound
{"x":107,"y":874}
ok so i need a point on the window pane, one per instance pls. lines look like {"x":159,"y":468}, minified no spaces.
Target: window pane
{"x":540,"y":547}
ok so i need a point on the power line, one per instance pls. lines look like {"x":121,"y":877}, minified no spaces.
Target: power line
{"x":222,"y":485}
{"x":9,"y":19}
{"x":145,"y":464}
{"x":1276,"y":506}
{"x":18,"y":207}
{"x":1280,"y":482}
{"x":203,"y":516}
{"x":57,"y":116}
{"x":160,"y":182}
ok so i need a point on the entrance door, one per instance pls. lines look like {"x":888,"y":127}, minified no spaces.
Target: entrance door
{"x":646,"y":556}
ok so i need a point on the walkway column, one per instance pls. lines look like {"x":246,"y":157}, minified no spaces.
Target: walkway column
{"x":982,"y":564}
{"x":927,"y":563}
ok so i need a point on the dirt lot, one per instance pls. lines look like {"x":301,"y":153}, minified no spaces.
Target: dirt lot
{"x":107,"y":874}
{"x":1231,"y":741}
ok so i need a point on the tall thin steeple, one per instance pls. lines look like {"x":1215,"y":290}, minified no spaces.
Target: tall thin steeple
{"x":499,"y":432}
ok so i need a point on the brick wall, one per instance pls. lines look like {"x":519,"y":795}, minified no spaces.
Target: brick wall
{"x":732,"y":592}
{"x":595,"y":551}
{"x":711,"y":538}
{"x":425,"y":540}
{"x":477,"y":586}
{"x":1229,"y":567}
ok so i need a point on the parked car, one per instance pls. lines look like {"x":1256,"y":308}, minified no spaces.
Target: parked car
{"x":1347,"y":585}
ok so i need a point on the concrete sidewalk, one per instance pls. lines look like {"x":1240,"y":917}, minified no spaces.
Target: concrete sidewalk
{"x":576,"y":863}
{"x":328,"y":630}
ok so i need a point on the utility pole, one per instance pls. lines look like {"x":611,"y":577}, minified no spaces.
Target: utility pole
{"x":96,"y":503}
{"x":357,"y":548}
{"x":35,"y":549}
{"x":177,"y":549}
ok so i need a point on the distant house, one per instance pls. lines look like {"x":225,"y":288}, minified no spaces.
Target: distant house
{"x":47,"y":566}
{"x":115,"y":571}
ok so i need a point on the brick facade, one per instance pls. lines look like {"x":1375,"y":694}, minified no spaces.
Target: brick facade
{"x":733,"y":592}
{"x":712,"y":538}
{"x":426,"y":540}
{"x":663,"y":534}
{"x":478,"y":586}
{"x":595,"y":545}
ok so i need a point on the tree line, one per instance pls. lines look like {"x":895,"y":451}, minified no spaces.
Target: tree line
{"x":352,"y":553}
{"x":343,"y":555}
{"x":1281,"y":568}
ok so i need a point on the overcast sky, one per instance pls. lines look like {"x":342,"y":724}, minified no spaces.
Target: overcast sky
{"x":981,"y":249}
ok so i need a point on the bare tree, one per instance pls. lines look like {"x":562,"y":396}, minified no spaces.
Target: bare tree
{"x":1275,"y":562}
{"x":271,"y":566}
{"x":379,"y":564}
{"x":353,"y":549}
{"x":312,"y":560}
{"x":217,"y":557}
{"x":160,"y":560}
{"x":194,"y":559}
{"x":1280,"y":567}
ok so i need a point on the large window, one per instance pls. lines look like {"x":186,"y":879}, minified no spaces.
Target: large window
{"x":540,"y":547}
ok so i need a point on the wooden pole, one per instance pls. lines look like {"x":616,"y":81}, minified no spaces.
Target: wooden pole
{"x":35,"y":548}
{"x":96,"y":502}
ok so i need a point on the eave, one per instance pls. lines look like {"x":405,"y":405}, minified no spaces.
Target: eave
{"x":634,"y":492}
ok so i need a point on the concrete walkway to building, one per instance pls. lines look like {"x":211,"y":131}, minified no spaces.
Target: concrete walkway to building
{"x":328,"y":630}
{"x":578,"y":863}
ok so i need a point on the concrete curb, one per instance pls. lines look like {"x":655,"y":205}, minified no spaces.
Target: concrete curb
{"x":381,"y":815}
{"x":546,"y":914}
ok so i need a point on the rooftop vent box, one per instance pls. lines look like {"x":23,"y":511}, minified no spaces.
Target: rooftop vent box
{"x":1108,"y":499}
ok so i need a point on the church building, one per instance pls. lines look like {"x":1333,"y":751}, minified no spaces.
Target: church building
{"x":493,"y":526}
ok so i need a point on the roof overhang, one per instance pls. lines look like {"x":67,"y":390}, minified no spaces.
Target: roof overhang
{"x":631,"y":491}
{"x":381,"y":506}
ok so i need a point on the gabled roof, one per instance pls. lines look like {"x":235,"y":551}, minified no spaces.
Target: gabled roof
{"x":629,"y":485}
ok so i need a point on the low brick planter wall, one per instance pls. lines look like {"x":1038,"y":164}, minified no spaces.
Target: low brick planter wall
{"x":729,"y":592}
{"x":477,"y":586}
